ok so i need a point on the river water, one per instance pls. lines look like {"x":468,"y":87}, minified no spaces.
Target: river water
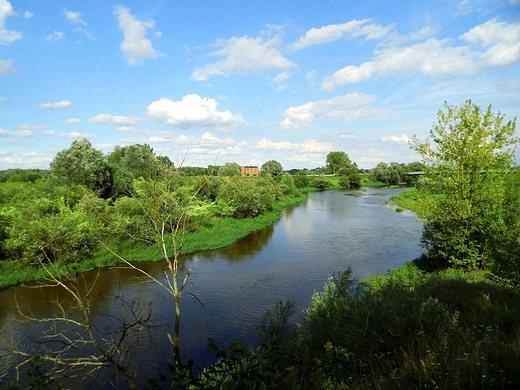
{"x":236,"y":285}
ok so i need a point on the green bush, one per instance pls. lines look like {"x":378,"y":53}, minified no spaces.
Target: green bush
{"x":321,"y":183}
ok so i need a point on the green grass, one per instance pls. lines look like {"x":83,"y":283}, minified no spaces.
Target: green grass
{"x":406,"y":200}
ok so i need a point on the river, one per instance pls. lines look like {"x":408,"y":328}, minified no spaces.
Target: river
{"x":236,"y":285}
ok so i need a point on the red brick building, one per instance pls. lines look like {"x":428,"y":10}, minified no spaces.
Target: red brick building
{"x":249,"y":170}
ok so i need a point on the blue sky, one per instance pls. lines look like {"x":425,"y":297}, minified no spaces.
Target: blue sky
{"x":218,"y":81}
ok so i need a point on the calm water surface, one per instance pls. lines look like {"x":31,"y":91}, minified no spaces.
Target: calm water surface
{"x":331,"y":231}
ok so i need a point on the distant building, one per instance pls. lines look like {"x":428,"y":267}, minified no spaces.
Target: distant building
{"x":249,"y":170}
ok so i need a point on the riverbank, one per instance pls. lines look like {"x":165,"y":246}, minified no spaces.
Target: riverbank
{"x":221,"y":233}
{"x":406,"y":200}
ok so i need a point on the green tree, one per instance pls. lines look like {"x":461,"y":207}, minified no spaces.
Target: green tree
{"x":229,"y":169}
{"x":81,"y":164}
{"x":301,"y":179}
{"x":465,"y":156}
{"x":350,"y":174}
{"x":132,"y":162}
{"x":321,"y":182}
{"x":505,"y":244}
{"x":344,"y":182}
{"x":165,"y":161}
{"x":272,"y":167}
{"x":212,"y":170}
{"x":337,"y":160}
{"x":391,"y":174}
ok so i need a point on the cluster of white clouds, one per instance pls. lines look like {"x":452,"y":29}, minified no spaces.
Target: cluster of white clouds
{"x":136,"y":46}
{"x":490,"y":45}
{"x":7,"y":36}
{"x":244,"y":55}
{"x":347,"y":108}
{"x":193,"y":111}
{"x":118,"y":120}
{"x":333,"y":32}
{"x":493,"y":44}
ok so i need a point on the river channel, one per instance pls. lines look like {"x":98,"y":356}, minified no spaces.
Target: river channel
{"x":236,"y":285}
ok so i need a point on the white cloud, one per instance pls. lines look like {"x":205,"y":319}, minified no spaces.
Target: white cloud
{"x":88,"y":34}
{"x":486,"y":46}
{"x":310,"y":145}
{"x":207,"y":140}
{"x":514,"y":2}
{"x":6,"y":67}
{"x":333,"y":32}
{"x":7,"y":36}
{"x":2,"y":99}
{"x":48,"y":133}
{"x":25,"y":126}
{"x":54,"y":36}
{"x":71,"y":121}
{"x":25,"y":162}
{"x":339,"y":134}
{"x":114,"y":119}
{"x":282,"y":77}
{"x":244,"y":55}
{"x":193,"y":111}
{"x":75,"y":134}
{"x":27,"y":15}
{"x":4,"y":152}
{"x":347,"y":108}
{"x":74,"y":17}
{"x":399,"y":139}
{"x":16,"y":134}
{"x":127,"y":129}
{"x":135,"y":46}
{"x":280,"y":80}
{"x":56,"y":105}
{"x":501,"y":43}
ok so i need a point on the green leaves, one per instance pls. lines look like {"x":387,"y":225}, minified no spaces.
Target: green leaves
{"x":466,"y":157}
{"x":81,"y":164}
{"x":272,"y":167}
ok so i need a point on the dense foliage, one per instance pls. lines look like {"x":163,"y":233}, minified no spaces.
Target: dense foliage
{"x":395,"y":173}
{"x":272,"y":167}
{"x":91,"y":198}
{"x":81,"y":164}
{"x":467,"y":160}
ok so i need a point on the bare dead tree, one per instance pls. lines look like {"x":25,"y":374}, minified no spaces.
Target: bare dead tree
{"x":168,"y":218}
{"x":74,"y":327}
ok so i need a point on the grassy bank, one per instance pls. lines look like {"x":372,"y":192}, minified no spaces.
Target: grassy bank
{"x":220,"y":233}
{"x":406,"y":200}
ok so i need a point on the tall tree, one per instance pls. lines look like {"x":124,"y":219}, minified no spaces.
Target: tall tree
{"x":138,"y":160}
{"x":464,"y":156}
{"x":81,"y":164}
{"x":337,"y":160}
{"x":229,"y":169}
{"x":272,"y":167}
{"x":129,"y":163}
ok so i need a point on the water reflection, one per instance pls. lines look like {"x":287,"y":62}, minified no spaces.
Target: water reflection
{"x":245,"y":247}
